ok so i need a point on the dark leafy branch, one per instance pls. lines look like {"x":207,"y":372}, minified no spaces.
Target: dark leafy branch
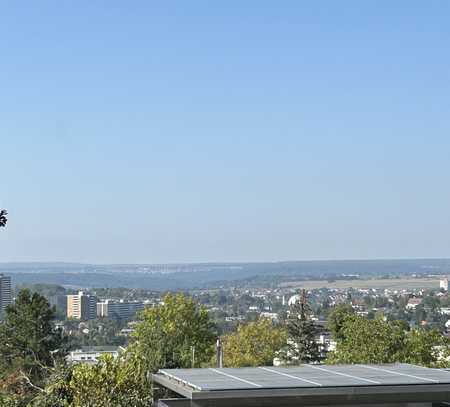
{"x":3,"y":218}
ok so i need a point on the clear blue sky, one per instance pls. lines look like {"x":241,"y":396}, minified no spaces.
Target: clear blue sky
{"x":224,"y":131}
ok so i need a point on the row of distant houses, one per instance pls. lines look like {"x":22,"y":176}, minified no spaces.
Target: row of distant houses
{"x":413,"y":303}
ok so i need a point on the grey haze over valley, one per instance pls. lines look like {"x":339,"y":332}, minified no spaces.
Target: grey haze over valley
{"x":211,"y":275}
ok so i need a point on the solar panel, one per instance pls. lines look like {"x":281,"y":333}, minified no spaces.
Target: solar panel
{"x":305,"y":376}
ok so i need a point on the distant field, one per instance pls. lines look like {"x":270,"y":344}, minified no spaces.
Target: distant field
{"x":394,"y":284}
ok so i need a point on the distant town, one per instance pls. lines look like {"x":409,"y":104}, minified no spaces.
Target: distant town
{"x":102,"y":320}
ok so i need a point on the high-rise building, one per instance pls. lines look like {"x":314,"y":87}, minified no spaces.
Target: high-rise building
{"x":81,"y":306}
{"x":5,"y":293}
{"x":443,"y":284}
{"x":118,"y":309}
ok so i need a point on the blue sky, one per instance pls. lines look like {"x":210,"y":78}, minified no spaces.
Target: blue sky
{"x":140,"y":131}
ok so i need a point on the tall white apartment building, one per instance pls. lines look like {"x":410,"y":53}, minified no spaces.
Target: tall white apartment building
{"x":443,"y":284}
{"x":5,"y":293}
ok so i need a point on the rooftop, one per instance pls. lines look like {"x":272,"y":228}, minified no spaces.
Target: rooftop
{"x":308,"y":384}
{"x":96,"y":349}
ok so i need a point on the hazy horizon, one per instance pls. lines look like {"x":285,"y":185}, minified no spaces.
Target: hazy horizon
{"x":212,"y":262}
{"x":180,"y":133}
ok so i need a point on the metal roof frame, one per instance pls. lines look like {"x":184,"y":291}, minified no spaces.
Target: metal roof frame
{"x":430,"y":391}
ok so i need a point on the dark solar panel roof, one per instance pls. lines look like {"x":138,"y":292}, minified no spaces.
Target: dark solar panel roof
{"x":305,"y":376}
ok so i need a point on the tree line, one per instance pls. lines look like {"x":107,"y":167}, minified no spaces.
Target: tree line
{"x":180,"y":334}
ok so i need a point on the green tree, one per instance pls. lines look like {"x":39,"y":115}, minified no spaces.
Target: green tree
{"x":3,"y":218}
{"x":301,"y":343}
{"x":165,"y":337}
{"x":337,"y":318}
{"x":253,"y":344}
{"x":7,"y":401}
{"x":431,"y":302}
{"x":177,"y":334}
{"x":29,"y":343}
{"x":380,"y":341}
{"x":369,"y":341}
{"x":426,"y":348}
{"x":420,"y":314}
{"x":58,"y":391}
{"x":110,"y":382}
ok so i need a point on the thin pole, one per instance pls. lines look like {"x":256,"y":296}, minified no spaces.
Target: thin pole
{"x":219,"y":353}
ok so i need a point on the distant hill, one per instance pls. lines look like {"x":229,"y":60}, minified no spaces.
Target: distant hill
{"x":200,"y":275}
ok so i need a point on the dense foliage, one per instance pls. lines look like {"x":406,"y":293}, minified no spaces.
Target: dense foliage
{"x":176,"y":334}
{"x":111,"y":382}
{"x":179,"y":333}
{"x":361,"y":340}
{"x":337,"y":318}
{"x":30,"y":345}
{"x":253,"y":344}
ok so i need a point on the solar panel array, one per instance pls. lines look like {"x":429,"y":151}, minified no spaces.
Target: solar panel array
{"x":307,"y":376}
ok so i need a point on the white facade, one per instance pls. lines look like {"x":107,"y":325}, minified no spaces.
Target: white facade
{"x":270,"y":315}
{"x":444,"y":310}
{"x":327,"y":343}
{"x":91,"y":354}
{"x":5,"y":293}
{"x":118,"y":309}
{"x":443,"y":284}
{"x":294,"y":299}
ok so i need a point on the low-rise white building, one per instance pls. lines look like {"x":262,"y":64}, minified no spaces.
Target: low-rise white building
{"x":413,"y":303}
{"x":270,"y":315}
{"x":91,"y":354}
{"x":238,"y":318}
